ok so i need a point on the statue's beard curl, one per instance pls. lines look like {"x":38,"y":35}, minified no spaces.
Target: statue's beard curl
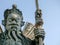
{"x":15,"y":35}
{"x":14,"y":32}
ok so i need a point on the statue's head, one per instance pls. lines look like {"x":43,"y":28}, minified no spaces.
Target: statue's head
{"x":13,"y":19}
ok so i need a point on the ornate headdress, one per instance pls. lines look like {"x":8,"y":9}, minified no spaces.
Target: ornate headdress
{"x":13,"y":10}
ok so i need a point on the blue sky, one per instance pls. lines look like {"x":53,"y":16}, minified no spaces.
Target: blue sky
{"x":50,"y":11}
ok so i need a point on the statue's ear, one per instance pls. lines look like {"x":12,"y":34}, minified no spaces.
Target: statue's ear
{"x":22,"y":23}
{"x":3,"y":22}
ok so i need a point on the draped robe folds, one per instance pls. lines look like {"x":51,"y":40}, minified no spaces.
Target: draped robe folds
{"x":14,"y":38}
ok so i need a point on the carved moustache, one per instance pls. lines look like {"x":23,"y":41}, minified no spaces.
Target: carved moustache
{"x":14,"y":24}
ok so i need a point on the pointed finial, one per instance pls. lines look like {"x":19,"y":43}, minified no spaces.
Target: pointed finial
{"x":14,"y":6}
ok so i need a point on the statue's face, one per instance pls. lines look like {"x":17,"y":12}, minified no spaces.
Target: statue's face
{"x":13,"y":22}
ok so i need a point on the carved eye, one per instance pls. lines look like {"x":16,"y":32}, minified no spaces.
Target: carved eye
{"x":9,"y":20}
{"x":17,"y":19}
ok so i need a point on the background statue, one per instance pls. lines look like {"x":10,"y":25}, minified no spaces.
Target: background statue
{"x":13,"y":21}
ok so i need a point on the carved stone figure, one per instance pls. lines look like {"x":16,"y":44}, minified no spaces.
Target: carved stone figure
{"x":13,"y":21}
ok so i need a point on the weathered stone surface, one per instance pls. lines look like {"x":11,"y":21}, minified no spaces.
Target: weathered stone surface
{"x":13,"y":21}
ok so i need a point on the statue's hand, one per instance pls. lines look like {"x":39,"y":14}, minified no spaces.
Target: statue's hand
{"x":39,"y":33}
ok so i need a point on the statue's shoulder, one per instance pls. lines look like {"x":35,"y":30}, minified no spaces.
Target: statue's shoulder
{"x":1,"y":32}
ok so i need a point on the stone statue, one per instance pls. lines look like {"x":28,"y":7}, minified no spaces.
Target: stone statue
{"x":13,"y":21}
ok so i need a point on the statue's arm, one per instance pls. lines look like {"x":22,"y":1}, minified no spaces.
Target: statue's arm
{"x":1,"y":34}
{"x":1,"y":31}
{"x":2,"y":37}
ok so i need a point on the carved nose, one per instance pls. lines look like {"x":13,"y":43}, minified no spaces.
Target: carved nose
{"x":13,"y":22}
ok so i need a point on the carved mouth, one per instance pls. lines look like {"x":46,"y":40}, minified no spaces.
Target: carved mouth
{"x":13,"y":24}
{"x":14,"y":28}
